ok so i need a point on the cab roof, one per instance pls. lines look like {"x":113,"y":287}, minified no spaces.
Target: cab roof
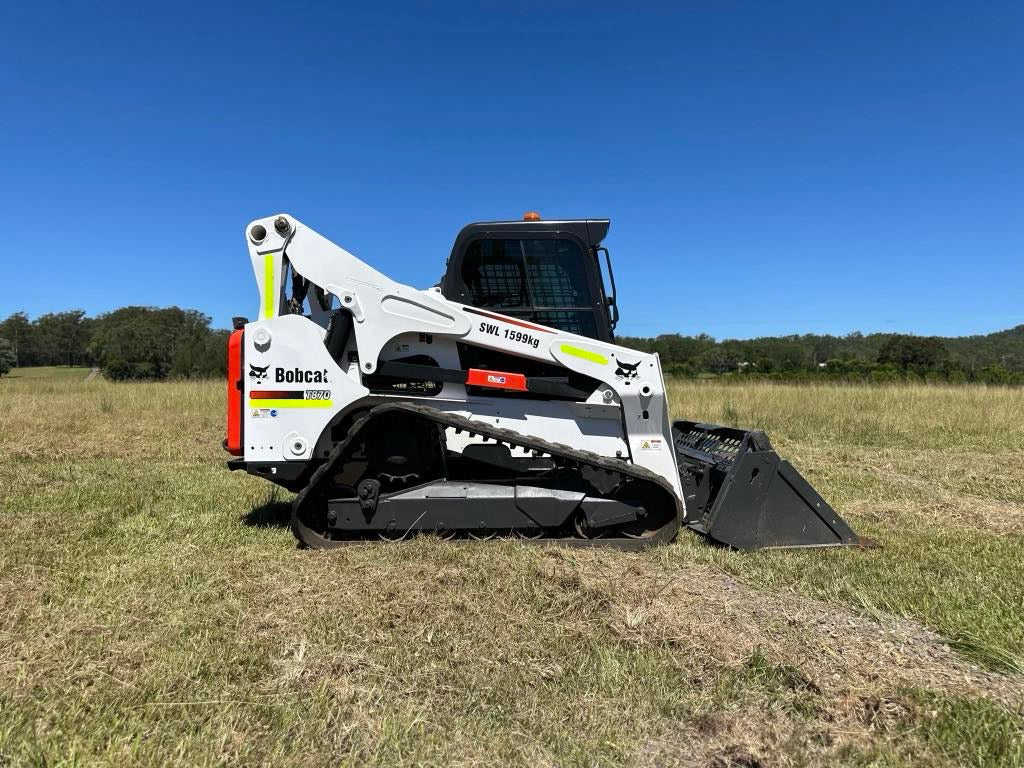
{"x":590,"y":231}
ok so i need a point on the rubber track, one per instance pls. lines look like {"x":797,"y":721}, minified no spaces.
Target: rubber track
{"x":310,"y":538}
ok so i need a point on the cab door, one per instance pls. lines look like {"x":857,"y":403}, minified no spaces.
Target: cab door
{"x":551,"y":279}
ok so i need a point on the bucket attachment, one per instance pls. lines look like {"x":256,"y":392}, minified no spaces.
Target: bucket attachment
{"x":741,"y":494}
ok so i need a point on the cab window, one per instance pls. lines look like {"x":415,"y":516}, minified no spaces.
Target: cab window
{"x":542,"y":280}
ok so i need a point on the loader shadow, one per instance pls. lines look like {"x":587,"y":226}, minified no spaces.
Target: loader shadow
{"x":270,"y":514}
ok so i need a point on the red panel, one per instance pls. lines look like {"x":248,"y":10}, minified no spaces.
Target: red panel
{"x":235,"y":387}
{"x":496,"y":379}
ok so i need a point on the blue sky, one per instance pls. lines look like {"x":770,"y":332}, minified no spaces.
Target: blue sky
{"x":768,"y":168}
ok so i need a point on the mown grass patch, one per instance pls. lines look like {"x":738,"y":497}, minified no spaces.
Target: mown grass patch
{"x":931,"y":473}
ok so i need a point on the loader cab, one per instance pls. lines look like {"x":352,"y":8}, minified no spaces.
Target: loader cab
{"x":545,"y":272}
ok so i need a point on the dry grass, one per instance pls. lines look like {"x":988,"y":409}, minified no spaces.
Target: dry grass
{"x":154,"y":611}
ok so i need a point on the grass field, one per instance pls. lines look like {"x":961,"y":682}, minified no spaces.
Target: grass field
{"x":50,"y":373}
{"x":154,"y":610}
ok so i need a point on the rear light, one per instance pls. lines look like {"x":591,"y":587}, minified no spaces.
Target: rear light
{"x":233,"y":443}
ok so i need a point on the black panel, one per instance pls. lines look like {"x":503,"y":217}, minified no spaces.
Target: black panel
{"x":392,"y":379}
{"x":338,"y":331}
{"x":443,"y":506}
{"x":292,"y":475}
{"x":604,"y":512}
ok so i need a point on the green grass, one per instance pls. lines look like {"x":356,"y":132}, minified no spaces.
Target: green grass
{"x":49,"y":372}
{"x":933,"y":474}
{"x":153,"y":609}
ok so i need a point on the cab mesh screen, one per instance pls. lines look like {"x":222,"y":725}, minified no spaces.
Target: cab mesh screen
{"x":544,"y":279}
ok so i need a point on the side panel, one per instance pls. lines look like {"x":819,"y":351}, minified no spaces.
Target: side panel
{"x":293,"y":388}
{"x":584,"y":426}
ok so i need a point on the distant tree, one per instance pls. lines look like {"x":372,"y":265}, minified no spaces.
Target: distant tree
{"x":63,"y":337}
{"x":148,"y":342}
{"x":840,"y":366}
{"x":718,"y":359}
{"x":8,"y":359}
{"x":1005,"y":348}
{"x":681,"y":349}
{"x":913,"y":353}
{"x":885,"y":374}
{"x":152,"y":343}
{"x":18,"y":330}
{"x":993,"y":374}
{"x":204,"y":355}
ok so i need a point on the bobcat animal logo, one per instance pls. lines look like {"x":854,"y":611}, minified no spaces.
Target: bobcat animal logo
{"x":257,"y":374}
{"x":626,"y":370}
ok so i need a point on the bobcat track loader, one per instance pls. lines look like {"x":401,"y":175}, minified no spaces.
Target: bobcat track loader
{"x":495,"y":404}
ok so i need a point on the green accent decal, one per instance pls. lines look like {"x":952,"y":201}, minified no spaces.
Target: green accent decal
{"x":289,"y":403}
{"x":585,"y":354}
{"x":268,"y":285}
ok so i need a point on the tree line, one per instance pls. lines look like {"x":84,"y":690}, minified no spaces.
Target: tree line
{"x":128,"y":343}
{"x":995,"y":358}
{"x":161,"y":343}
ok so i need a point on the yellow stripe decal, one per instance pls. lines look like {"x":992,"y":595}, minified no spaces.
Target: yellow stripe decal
{"x":585,"y":354}
{"x":269,"y":288}
{"x":289,"y":403}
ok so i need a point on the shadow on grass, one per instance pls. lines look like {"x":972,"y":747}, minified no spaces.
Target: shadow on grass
{"x":272,"y":513}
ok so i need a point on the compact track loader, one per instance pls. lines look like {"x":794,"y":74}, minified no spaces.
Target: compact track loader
{"x":493,"y":404}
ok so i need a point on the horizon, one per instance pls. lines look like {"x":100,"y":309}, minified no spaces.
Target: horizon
{"x":769,"y":170}
{"x":716,"y":339}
